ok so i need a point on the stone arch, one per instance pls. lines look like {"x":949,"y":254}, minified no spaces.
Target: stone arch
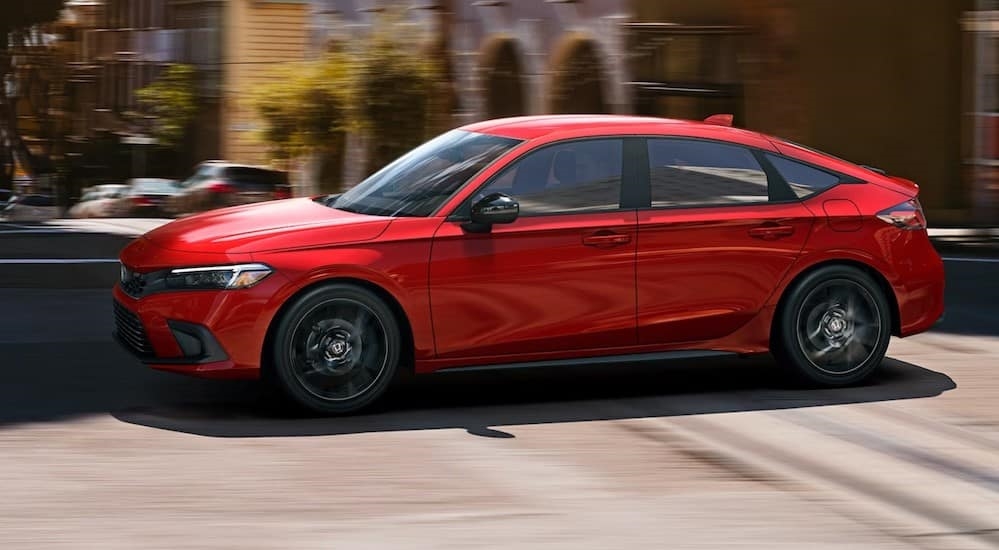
{"x":502,"y":78}
{"x":577,"y":78}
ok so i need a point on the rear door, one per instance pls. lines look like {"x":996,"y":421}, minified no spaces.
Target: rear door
{"x":720,"y":233}
{"x":559,"y":278}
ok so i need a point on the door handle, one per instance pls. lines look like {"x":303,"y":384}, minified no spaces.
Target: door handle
{"x":606,"y":238}
{"x":771,"y":232}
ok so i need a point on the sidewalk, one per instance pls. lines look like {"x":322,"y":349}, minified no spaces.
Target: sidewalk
{"x":966,"y":241}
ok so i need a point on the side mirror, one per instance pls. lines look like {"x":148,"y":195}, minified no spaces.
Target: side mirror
{"x":492,"y":209}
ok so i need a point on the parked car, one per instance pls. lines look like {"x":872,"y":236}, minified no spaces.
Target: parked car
{"x":97,"y":202}
{"x":5,"y":195}
{"x":145,"y":198}
{"x":218,"y":184}
{"x":31,"y":208}
{"x":543,"y":241}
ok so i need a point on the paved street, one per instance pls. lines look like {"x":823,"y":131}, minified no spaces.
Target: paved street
{"x":97,"y":451}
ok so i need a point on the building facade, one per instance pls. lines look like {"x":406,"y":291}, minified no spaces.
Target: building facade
{"x":230,"y":43}
{"x":906,"y":86}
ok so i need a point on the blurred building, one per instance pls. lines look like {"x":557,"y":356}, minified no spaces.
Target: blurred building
{"x":229,"y":42}
{"x":882,"y":83}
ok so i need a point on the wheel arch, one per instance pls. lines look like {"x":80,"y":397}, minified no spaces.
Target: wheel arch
{"x":406,"y":329}
{"x":873,"y":272}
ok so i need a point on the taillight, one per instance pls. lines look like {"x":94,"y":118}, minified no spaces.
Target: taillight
{"x":220,"y":187}
{"x":141,"y":201}
{"x":282,"y":194}
{"x":908,"y":215}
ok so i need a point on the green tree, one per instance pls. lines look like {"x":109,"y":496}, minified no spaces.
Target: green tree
{"x":380,"y":86}
{"x":304,"y":109}
{"x":172,"y":103}
{"x":19,"y":33}
{"x":399,"y":96}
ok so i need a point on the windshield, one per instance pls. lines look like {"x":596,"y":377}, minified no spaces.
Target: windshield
{"x":419,"y":182}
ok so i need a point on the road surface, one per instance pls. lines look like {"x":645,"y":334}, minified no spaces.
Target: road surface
{"x":96,"y":451}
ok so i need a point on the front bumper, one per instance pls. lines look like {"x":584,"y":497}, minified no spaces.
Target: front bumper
{"x":211,"y":334}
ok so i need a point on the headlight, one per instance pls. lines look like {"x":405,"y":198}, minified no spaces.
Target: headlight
{"x":216,"y":277}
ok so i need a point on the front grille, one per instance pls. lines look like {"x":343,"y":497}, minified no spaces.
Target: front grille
{"x":132,"y":283}
{"x":130,"y":331}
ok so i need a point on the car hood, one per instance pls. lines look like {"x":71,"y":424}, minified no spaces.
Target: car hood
{"x":274,"y":225}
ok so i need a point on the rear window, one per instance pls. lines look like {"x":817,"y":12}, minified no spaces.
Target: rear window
{"x":255,"y":176}
{"x":803,"y":179}
{"x":154,"y":186}
{"x":203,"y":173}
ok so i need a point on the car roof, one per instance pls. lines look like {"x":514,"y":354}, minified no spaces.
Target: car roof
{"x":541,"y":126}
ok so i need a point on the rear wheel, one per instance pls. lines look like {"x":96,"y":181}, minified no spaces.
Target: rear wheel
{"x":834,"y":327}
{"x":336,"y":349}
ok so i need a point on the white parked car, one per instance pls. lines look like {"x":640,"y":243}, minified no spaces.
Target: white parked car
{"x":98,"y":201}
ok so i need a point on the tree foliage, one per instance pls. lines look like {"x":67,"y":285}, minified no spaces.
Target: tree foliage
{"x":172,"y":102}
{"x":396,"y":86}
{"x":380,"y":86}
{"x":303,"y":106}
{"x":17,"y":19}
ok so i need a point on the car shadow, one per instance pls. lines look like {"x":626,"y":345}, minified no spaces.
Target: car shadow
{"x":482,"y":403}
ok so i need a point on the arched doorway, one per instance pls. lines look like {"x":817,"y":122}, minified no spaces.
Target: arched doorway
{"x":502,"y":78}
{"x":577,"y":77}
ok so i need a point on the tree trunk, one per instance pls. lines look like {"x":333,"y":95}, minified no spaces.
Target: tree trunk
{"x":8,"y":112}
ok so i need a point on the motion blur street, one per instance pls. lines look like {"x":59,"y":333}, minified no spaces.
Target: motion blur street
{"x":97,"y":451}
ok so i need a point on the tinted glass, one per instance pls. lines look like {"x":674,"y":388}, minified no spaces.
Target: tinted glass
{"x":419,"y":182}
{"x":253,"y":176}
{"x":577,"y":176}
{"x":37,"y":200}
{"x":803,"y":179}
{"x":698,"y":173}
{"x":153,"y":186}
{"x":202,"y":173}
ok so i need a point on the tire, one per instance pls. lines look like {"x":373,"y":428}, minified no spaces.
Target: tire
{"x":833,"y":327}
{"x":336,"y":349}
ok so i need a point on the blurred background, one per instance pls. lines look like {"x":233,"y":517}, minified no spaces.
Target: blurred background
{"x":165,"y":107}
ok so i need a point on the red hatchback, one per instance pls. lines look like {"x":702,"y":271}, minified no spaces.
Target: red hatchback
{"x":539,"y":241}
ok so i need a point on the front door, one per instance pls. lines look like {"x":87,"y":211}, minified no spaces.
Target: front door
{"x":561,"y":277}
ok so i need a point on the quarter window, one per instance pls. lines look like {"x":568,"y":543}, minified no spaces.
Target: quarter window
{"x":576,"y":176}
{"x":803,"y":179}
{"x":685,"y":172}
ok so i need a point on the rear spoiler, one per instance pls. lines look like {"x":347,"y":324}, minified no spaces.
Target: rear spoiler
{"x":873,"y":169}
{"x":720,"y":119}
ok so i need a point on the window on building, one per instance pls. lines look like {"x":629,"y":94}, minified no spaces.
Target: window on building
{"x":685,"y":172}
{"x":576,"y":176}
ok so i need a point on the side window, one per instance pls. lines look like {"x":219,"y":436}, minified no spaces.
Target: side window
{"x":686,"y":172}
{"x":803,"y":179}
{"x":576,"y":176}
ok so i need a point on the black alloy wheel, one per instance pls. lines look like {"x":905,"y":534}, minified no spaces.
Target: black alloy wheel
{"x":336,"y":349}
{"x":834,"y":327}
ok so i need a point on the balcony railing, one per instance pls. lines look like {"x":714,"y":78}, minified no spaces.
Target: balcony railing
{"x":192,"y":46}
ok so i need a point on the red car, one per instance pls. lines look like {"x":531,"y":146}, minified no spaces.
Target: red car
{"x":541,"y":241}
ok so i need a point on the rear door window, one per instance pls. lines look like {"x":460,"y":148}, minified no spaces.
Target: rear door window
{"x":687,"y":172}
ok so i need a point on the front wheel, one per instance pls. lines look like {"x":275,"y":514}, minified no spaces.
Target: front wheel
{"x":336,"y":349}
{"x":834,"y":327}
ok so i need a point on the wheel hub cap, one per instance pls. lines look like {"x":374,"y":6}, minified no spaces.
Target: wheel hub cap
{"x":837,"y":326}
{"x":334,"y":348}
